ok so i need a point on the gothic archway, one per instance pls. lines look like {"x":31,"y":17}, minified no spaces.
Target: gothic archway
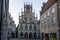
{"x":12,"y":35}
{"x":35,"y":35}
{"x":38,"y":34}
{"x":26,"y":35}
{"x":21,"y":35}
{"x":30,"y":35}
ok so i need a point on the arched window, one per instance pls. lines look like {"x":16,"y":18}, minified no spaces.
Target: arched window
{"x":30,"y":35}
{"x":26,"y":35}
{"x":35,"y":35}
{"x":21,"y":35}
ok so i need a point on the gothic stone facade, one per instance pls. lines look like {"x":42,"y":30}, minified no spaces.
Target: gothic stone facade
{"x":28,"y":28}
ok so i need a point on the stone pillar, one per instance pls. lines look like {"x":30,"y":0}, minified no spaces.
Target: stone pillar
{"x":28,"y":35}
{"x":44,"y":36}
{"x":41,"y":36}
{"x":58,"y":35}
{"x":49,"y":36}
{"x":23,"y":35}
{"x":32,"y":35}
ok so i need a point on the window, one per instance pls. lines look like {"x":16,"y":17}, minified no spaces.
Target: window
{"x":44,"y":25}
{"x":25,"y":18}
{"x":30,"y":27}
{"x":59,"y":5}
{"x":41,"y":17}
{"x":48,"y":22}
{"x":26,"y":26}
{"x":34,"y":26}
{"x":21,"y":26}
{"x":33,"y":22}
{"x":30,"y":18}
{"x":10,"y":23}
{"x":44,"y":16}
{"x":48,"y":13}
{"x":41,"y":25}
{"x":53,"y":10}
{"x":22,"y":21}
{"x":53,"y":20}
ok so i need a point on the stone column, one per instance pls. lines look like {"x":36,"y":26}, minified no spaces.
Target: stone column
{"x":41,"y":36}
{"x":44,"y":36}
{"x":57,"y":35}
{"x":28,"y":34}
{"x":49,"y":36}
{"x":23,"y":35}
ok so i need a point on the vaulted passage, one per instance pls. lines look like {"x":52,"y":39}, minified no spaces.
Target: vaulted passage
{"x":21,"y":35}
{"x":26,"y":35}
{"x":12,"y":35}
{"x":35,"y":35}
{"x":30,"y":35}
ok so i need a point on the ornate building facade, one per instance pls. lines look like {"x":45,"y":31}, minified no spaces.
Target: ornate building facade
{"x":50,"y":20}
{"x":28,"y":27}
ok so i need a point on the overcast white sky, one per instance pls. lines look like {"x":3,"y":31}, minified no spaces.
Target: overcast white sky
{"x":16,"y":5}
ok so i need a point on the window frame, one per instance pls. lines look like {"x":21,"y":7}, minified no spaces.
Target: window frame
{"x":53,"y":10}
{"x":48,"y":14}
{"x":53,"y":20}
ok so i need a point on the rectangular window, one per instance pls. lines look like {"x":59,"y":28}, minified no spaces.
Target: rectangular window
{"x":41,"y":17}
{"x":53,"y":20}
{"x":48,"y":22}
{"x":30,"y":27}
{"x":26,"y":26}
{"x":34,"y":26}
{"x":44,"y":16}
{"x":59,"y":5}
{"x":21,"y":27}
{"x":44,"y":25}
{"x":48,"y":13}
{"x":53,"y":10}
{"x":41,"y":25}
